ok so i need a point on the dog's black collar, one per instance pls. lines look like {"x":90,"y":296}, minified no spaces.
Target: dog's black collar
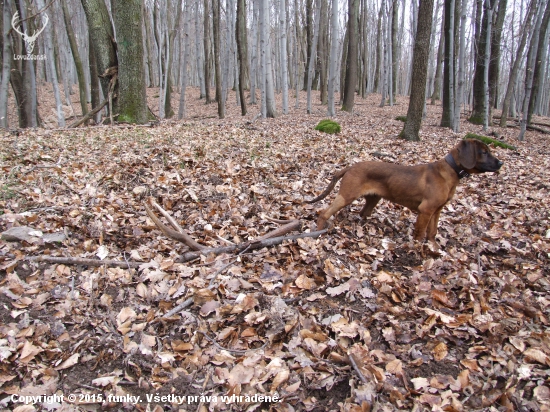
{"x":459,"y":170}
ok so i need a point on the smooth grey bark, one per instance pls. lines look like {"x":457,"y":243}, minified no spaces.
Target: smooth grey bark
{"x":50,"y":61}
{"x":6,"y":63}
{"x":206,"y":40}
{"x":486,"y":63}
{"x":436,"y":95}
{"x":385,"y":57}
{"x":333,"y":59}
{"x":459,"y":96}
{"x":284,"y":62}
{"x":76,"y":57}
{"x":539,"y":59}
{"x":312,"y":57}
{"x":268,"y":93}
{"x":217,"y":68}
{"x":185,"y":62}
{"x":530,"y":69}
{"x":514,"y":70}
{"x":254,"y":54}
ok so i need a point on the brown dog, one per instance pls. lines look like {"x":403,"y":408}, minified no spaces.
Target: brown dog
{"x":423,"y":188}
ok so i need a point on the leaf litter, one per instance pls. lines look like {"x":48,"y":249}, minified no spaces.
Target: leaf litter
{"x":357,"y":319}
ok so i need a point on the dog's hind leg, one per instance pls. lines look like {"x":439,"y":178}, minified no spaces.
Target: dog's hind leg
{"x":338,"y":203}
{"x":371,"y":202}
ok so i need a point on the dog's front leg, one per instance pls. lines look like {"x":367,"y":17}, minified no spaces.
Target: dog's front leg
{"x":421,"y":225}
{"x":432,"y":225}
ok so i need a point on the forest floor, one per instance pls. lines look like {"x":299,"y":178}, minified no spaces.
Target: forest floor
{"x":357,"y":319}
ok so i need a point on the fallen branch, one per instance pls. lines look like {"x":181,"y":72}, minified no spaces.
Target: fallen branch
{"x":61,"y":260}
{"x":89,"y":115}
{"x":182,"y":237}
{"x":254,"y":245}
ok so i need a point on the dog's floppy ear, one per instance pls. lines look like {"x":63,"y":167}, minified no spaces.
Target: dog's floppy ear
{"x":467,"y":153}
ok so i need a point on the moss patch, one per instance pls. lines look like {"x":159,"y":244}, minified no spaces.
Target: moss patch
{"x":401,"y":118}
{"x":328,"y":126}
{"x":489,"y":140}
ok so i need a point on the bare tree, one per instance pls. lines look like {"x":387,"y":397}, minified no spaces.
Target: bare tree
{"x":217,"y":69}
{"x":268,"y":93}
{"x":514,"y":69}
{"x":351,"y":61}
{"x":333,"y":58}
{"x":82,"y":86}
{"x":447,"y":117}
{"x":206,"y":39}
{"x":538,"y":72}
{"x":242,"y":51}
{"x":313,"y":56}
{"x":419,"y":71}
{"x":132,"y":99}
{"x":461,"y":66}
{"x":6,"y":63}
{"x":48,"y":42}
{"x":284,"y":57}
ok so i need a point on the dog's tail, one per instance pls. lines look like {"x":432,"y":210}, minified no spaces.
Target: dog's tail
{"x":333,"y":182}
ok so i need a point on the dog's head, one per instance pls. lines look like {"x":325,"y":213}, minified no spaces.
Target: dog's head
{"x":475,"y":157}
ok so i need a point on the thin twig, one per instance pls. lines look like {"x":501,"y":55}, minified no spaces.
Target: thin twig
{"x":354,"y":364}
{"x":238,"y":351}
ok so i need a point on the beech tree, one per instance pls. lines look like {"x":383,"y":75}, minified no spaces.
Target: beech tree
{"x":351,"y":60}
{"x":419,"y":72}
{"x":242,"y":51}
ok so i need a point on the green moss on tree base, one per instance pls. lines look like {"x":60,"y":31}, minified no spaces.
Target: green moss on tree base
{"x":328,"y":126}
{"x":489,"y":140}
{"x":401,"y":118}
{"x":476,"y":119}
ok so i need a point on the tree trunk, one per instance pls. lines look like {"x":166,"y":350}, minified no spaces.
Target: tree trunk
{"x":6,"y":63}
{"x":540,"y":58}
{"x":217,"y":69}
{"x":132,"y":99}
{"x":48,"y":46}
{"x":436,"y":95}
{"x":514,"y":70}
{"x":385,"y":57}
{"x":486,"y":85}
{"x":284,"y":62}
{"x":421,"y":55}
{"x":242,"y":51}
{"x":461,"y":65}
{"x":447,"y":117}
{"x":268,"y":93}
{"x":101,"y":33}
{"x":394,"y":48}
{"x":82,"y":86}
{"x":95,"y":88}
{"x":494,"y":65}
{"x":322,"y":51}
{"x":333,"y":59}
{"x":351,"y":61}
{"x":23,"y":78}
{"x":313,"y":57}
{"x":309,"y":38}
{"x":479,"y":110}
{"x":185,"y":62}
{"x":530,"y":69}
{"x":379,"y":54}
{"x":207,"y":51}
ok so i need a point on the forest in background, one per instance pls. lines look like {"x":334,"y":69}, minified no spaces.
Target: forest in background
{"x":476,"y":55}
